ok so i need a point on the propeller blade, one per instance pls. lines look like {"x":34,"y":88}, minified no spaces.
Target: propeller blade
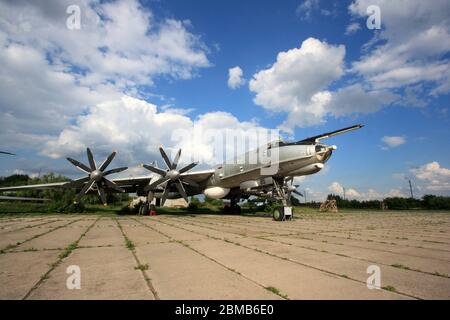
{"x":101,"y":193}
{"x":91,"y":159}
{"x":107,"y":161}
{"x":79,"y":165}
{"x":165,"y":157}
{"x":175,"y":161}
{"x":164,"y":196}
{"x":298,"y":192}
{"x":156,"y":183}
{"x":155,"y":170}
{"x":114,"y":170}
{"x":181,"y":190}
{"x":188,"y":167}
{"x":76,"y":183}
{"x":5,"y":152}
{"x":85,"y":189}
{"x":112,"y":185}
{"x":189,"y":182}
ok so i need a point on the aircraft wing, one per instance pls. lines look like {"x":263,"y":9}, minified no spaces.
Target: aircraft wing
{"x":122,"y":182}
{"x":131,"y":181}
{"x":329,"y":134}
{"x":198,"y":176}
{"x":43,"y":186}
{"x":128,"y":183}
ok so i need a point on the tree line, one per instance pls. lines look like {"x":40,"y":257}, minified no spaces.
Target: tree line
{"x":427,"y":202}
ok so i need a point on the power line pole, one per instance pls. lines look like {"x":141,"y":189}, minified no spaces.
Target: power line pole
{"x":304,"y":194}
{"x":344,"y":192}
{"x":410,"y":189}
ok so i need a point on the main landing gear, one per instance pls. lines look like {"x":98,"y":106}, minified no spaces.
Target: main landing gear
{"x":233,"y":207}
{"x":146,"y":208}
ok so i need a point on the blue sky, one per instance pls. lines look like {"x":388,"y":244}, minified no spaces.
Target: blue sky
{"x":176,"y":55}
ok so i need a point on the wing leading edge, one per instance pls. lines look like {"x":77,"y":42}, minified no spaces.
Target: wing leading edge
{"x":329,"y":134}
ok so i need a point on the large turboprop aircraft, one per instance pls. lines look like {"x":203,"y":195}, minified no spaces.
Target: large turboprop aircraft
{"x":233,"y":181}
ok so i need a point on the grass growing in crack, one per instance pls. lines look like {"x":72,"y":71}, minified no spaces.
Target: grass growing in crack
{"x":345,"y":276}
{"x":400,"y":266}
{"x":276,"y":291}
{"x":129,"y":244}
{"x":68,"y":250}
{"x":341,"y":255}
{"x":389,"y":288}
{"x":141,"y":267}
{"x":441,"y":274}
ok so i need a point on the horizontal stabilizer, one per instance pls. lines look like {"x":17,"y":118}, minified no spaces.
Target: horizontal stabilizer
{"x":329,"y":134}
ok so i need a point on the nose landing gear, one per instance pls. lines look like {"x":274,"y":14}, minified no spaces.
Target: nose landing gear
{"x":284,"y":212}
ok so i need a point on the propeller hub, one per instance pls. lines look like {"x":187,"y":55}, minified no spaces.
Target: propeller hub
{"x":173,"y":174}
{"x":97,"y":175}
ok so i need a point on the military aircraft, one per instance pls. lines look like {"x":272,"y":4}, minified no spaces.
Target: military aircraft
{"x":233,"y":181}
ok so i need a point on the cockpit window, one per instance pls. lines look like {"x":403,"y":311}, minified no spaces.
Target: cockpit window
{"x":320,"y":148}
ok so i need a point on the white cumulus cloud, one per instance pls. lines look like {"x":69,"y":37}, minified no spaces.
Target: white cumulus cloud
{"x":352,"y":28}
{"x":235,"y":79}
{"x":56,"y":73}
{"x":393,"y":141}
{"x":411,"y":48}
{"x":136,"y":128}
{"x":435,"y":177}
{"x":296,"y":82}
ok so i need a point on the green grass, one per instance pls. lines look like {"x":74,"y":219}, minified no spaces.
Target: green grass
{"x":276,"y":291}
{"x":141,"y":267}
{"x":68,"y":250}
{"x":12,"y":209}
{"x":389,"y":288}
{"x":441,"y":274}
{"x":400,"y":266}
{"x":129,"y":244}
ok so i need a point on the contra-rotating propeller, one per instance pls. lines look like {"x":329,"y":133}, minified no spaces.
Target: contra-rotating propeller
{"x":96,"y":176}
{"x":291,"y":188}
{"x":171,"y":176}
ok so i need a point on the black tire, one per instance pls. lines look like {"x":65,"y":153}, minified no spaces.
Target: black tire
{"x":226,"y":209}
{"x":278,"y":214}
{"x":145,"y":209}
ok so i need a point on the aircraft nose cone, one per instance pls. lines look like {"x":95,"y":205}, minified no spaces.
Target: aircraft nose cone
{"x":173,"y":174}
{"x":96,"y":175}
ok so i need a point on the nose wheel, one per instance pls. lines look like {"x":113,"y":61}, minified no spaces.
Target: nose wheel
{"x":284,"y":212}
{"x":278,"y":214}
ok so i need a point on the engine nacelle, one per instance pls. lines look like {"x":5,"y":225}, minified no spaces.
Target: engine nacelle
{"x":309,"y":169}
{"x":216,"y":192}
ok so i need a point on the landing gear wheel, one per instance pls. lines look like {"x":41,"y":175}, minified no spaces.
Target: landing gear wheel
{"x":227,"y":209}
{"x":278,"y":214}
{"x":145,"y":208}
